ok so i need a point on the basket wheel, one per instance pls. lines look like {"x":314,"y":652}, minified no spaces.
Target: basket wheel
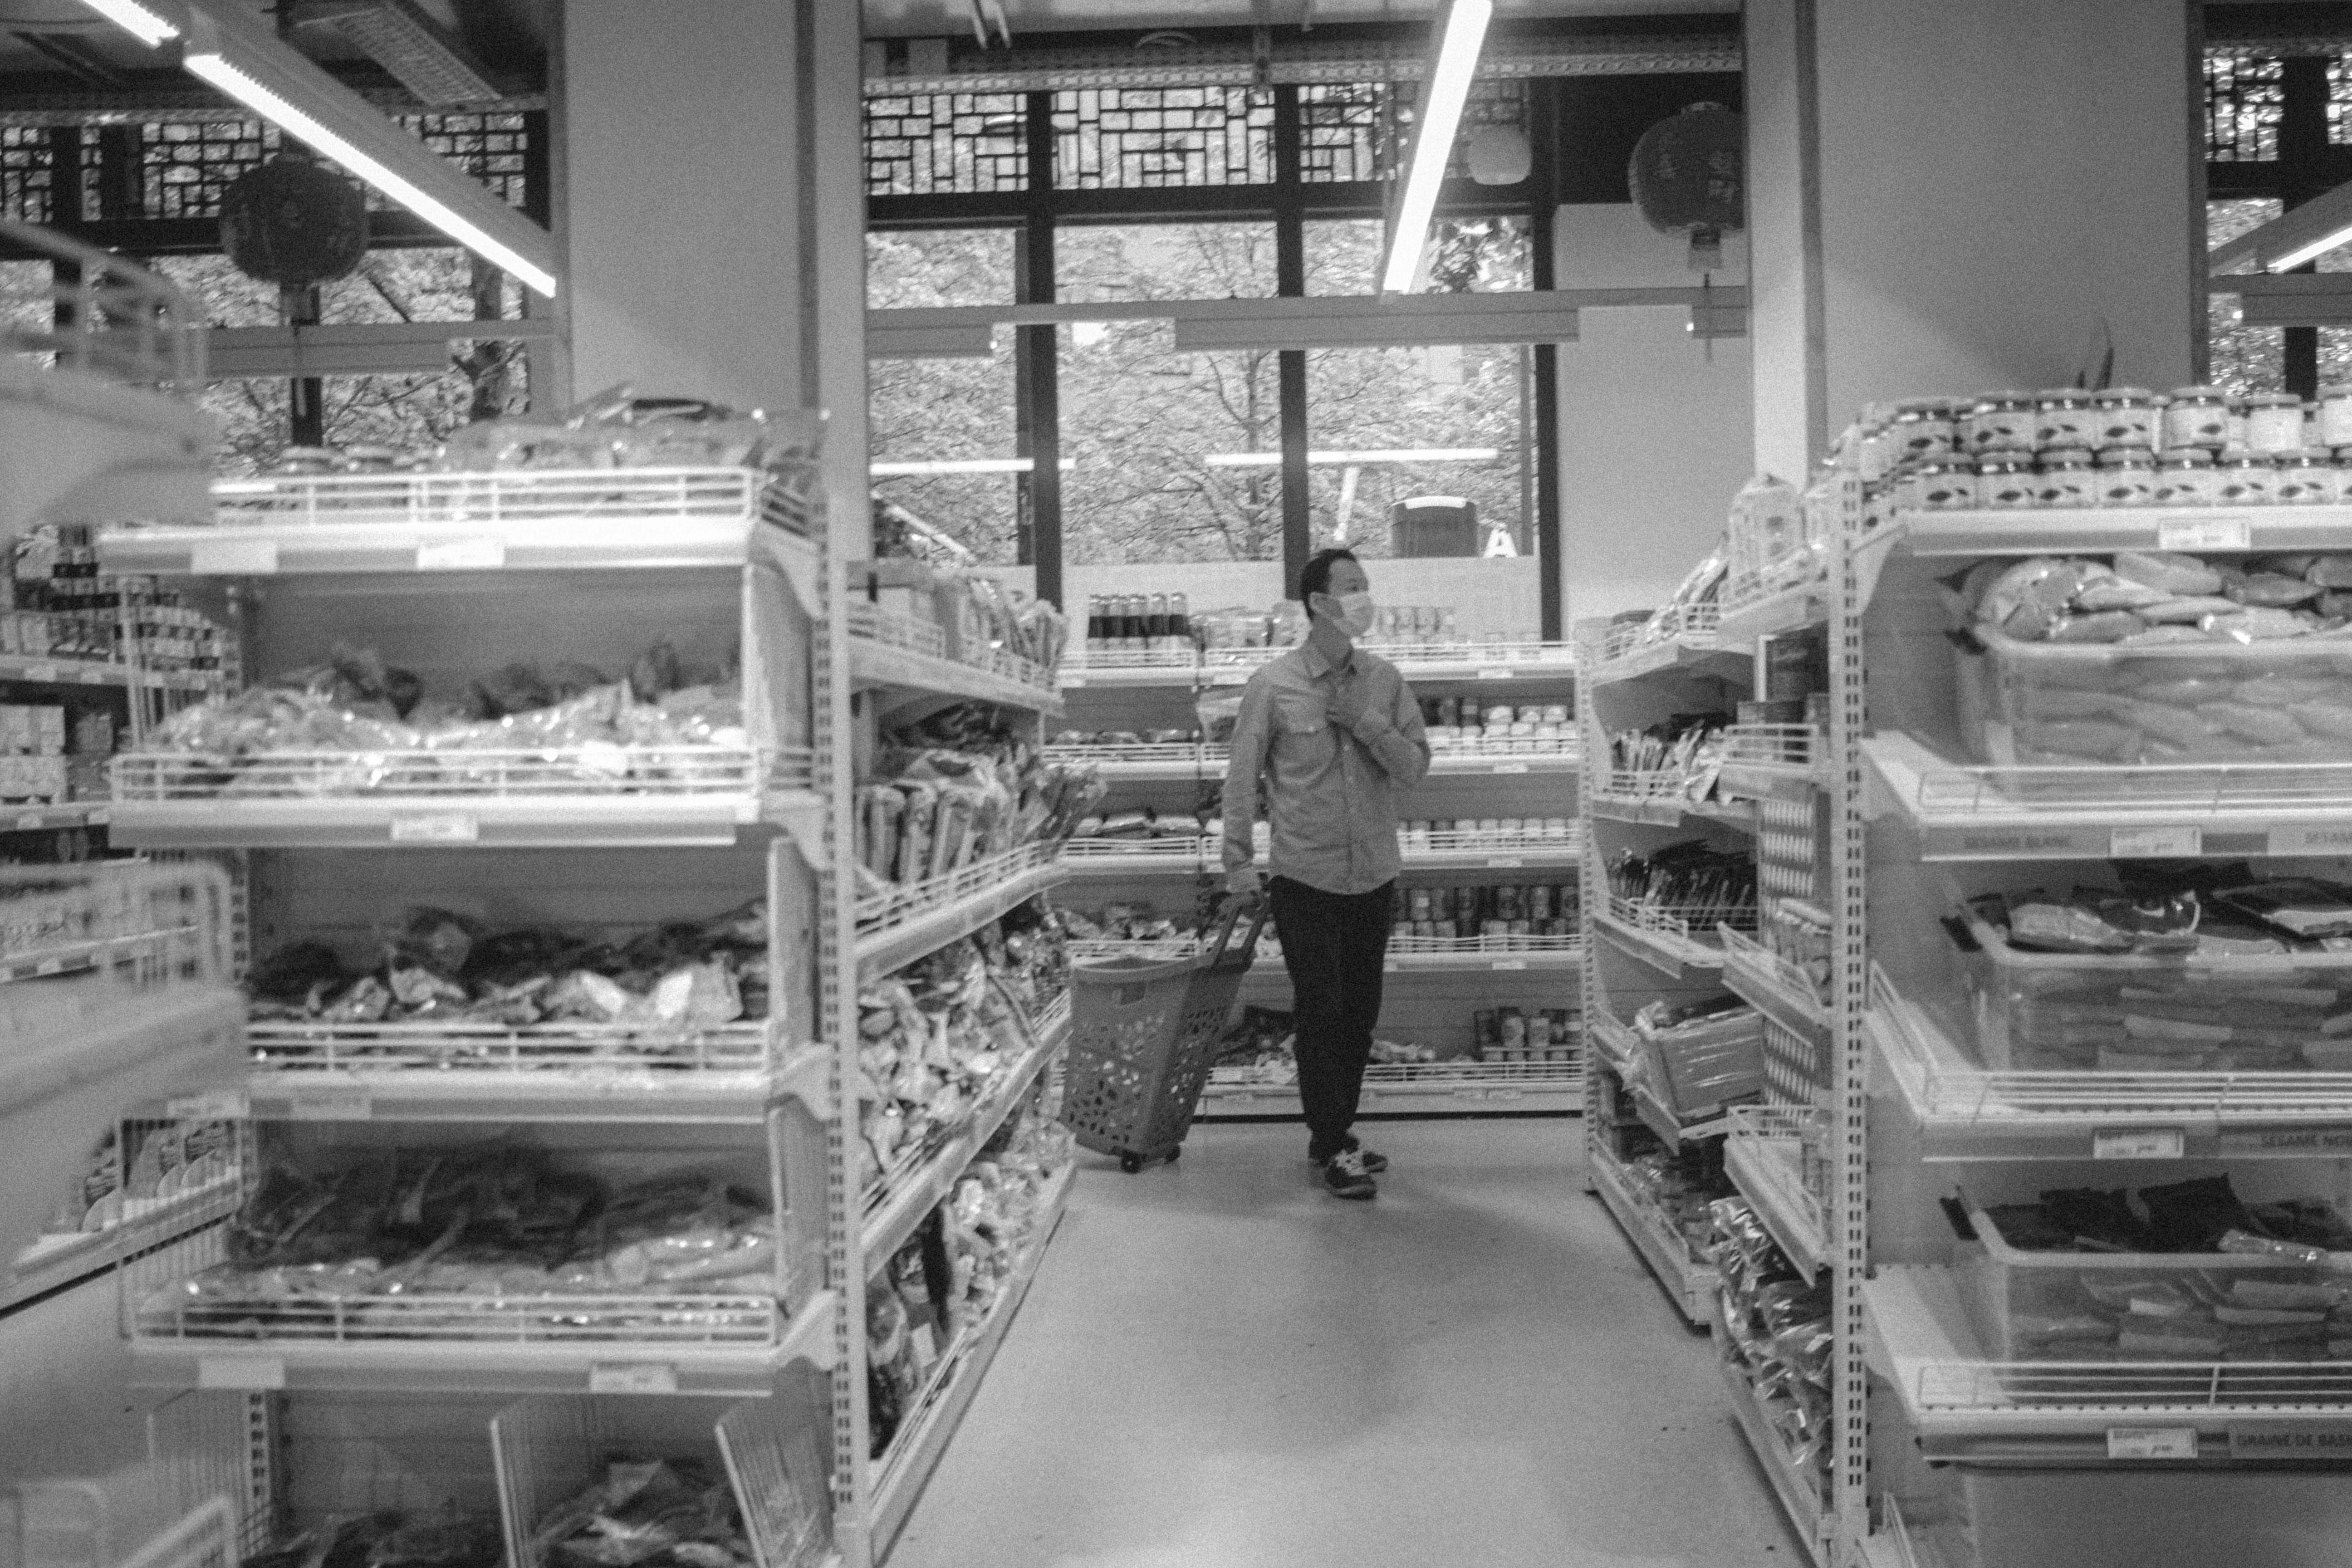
{"x":1130,"y":1163}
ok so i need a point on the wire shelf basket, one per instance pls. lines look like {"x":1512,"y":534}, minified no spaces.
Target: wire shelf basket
{"x":910,"y":902}
{"x":1792,"y":746}
{"x":576,"y":1051}
{"x":2139,"y":1387}
{"x":1693,"y":623}
{"x":786,"y":496}
{"x":451,"y":776}
{"x":142,"y":928}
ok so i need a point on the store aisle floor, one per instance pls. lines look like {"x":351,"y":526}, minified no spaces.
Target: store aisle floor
{"x":1220,"y":1367}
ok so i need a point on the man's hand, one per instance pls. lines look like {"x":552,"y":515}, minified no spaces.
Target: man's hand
{"x":1347,"y":707}
{"x":1244,"y":883}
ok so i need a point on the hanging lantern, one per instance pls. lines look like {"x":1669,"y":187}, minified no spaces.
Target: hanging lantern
{"x":1499,"y":155}
{"x":1689,"y":174}
{"x":293,"y":223}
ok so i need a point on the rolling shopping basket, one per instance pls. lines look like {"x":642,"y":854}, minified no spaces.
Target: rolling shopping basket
{"x":1143,"y":1034}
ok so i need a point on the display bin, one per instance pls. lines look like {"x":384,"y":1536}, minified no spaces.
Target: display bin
{"x":2288,"y":701}
{"x":1697,"y":1067}
{"x":2197,"y":1307}
{"x":548,"y":1451}
{"x":2140,"y":1014}
{"x":110,"y":1523}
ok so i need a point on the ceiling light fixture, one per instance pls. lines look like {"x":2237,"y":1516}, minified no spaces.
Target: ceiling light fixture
{"x":1444,"y":92}
{"x":144,"y":23}
{"x":2309,"y":251}
{"x":241,"y":56}
{"x":931,"y":466}
{"x":404,"y":41}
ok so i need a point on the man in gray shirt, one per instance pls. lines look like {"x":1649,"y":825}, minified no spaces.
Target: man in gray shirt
{"x":1327,"y":736}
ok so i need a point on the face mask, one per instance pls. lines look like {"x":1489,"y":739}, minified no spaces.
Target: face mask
{"x":1355,"y":616}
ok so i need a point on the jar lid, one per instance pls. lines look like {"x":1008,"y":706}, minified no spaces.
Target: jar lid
{"x":2246,"y":457}
{"x":1995,"y":399}
{"x":2066,"y":458}
{"x":2006,"y":459}
{"x":1915,"y":406}
{"x":2197,"y":394}
{"x":2192,"y":456}
{"x":2125,"y":395}
{"x":2272,"y":400}
{"x":2063,"y":394}
{"x":2127,"y":457}
{"x":2308,"y":457}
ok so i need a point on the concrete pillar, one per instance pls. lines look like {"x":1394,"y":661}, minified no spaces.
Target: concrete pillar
{"x":1653,"y":423}
{"x":1989,"y":187}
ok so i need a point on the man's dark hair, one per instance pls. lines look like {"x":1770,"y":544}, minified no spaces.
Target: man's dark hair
{"x":1315,"y":577}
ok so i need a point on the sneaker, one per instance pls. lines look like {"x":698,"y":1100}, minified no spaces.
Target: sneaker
{"x":1373,"y":1162}
{"x":1344,"y":1176}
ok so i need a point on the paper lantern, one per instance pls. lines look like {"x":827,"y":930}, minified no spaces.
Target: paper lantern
{"x":1499,"y":155}
{"x":1689,"y":174}
{"x":293,"y":223}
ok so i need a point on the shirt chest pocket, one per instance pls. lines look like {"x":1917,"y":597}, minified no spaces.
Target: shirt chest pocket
{"x":1302,"y":727}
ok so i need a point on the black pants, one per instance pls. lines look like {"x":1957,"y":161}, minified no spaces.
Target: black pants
{"x":1334,"y":945}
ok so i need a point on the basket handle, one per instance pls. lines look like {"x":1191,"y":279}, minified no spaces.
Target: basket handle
{"x":1226,"y":919}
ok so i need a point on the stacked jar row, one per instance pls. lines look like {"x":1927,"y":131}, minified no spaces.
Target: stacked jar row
{"x":2190,"y":476}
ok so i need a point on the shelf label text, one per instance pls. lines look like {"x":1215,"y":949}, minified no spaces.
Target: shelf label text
{"x":2280,"y":1440}
{"x":462,"y":555}
{"x":43,"y":673}
{"x":437,"y":827}
{"x":2151,"y":1442}
{"x":1510,"y":963}
{"x":2312,"y":839}
{"x":233,"y":558}
{"x":2139,"y":1143}
{"x":2163,"y":843}
{"x":633,"y":1377}
{"x":1493,"y":674}
{"x":2206,"y":533}
{"x":2287,"y":1141}
{"x":1510,"y":767}
{"x":1505,"y":862}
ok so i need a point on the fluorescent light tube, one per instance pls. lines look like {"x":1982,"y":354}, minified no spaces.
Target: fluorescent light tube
{"x":2308,"y":251}
{"x":1446,"y":91}
{"x":961,"y":466}
{"x":208,"y":60}
{"x":1387,"y":454}
{"x":147,"y":26}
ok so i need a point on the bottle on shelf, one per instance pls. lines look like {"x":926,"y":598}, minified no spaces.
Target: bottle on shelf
{"x":1131,"y":623}
{"x":1155,"y":627}
{"x":1096,"y":638}
{"x":1180,"y":622}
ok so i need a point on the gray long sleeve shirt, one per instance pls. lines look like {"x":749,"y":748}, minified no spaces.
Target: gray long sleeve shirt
{"x":1328,"y":792}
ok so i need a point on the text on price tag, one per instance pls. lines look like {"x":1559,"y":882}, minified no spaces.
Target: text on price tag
{"x":220,"y":1105}
{"x":1505,"y":862}
{"x":2139,"y":1143}
{"x":1510,"y":963}
{"x":2164,"y":842}
{"x":2314,"y":838}
{"x":478,"y":555}
{"x":633,"y":1377}
{"x":1496,"y":673}
{"x":1510,"y":767}
{"x":2151,"y":1442}
{"x":2206,"y":533}
{"x":437,"y":827}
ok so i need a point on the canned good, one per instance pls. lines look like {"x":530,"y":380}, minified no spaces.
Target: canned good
{"x":2006,"y":483}
{"x":2185,"y":479}
{"x":2334,"y":415}
{"x":2000,"y":419}
{"x":2237,"y":425}
{"x":2244,"y":478}
{"x":2066,"y":480}
{"x":2196,"y":417}
{"x":2307,"y":477}
{"x":1539,"y":901}
{"x":2274,"y":422}
{"x":2127,"y":478}
{"x":2126,"y":417}
{"x":1944,"y":484}
{"x":1923,"y":428}
{"x":2063,"y":418}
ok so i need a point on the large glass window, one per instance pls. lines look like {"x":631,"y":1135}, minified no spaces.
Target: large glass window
{"x":2241,"y":358}
{"x":1106,"y":263}
{"x":1483,"y":254}
{"x":1389,"y":425}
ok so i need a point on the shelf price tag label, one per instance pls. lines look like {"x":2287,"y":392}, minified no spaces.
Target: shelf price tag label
{"x":2295,"y":1442}
{"x":1510,"y":963}
{"x":2151,"y":1442}
{"x":1229,"y":678}
{"x":1510,"y":767}
{"x":233,"y":558}
{"x":437,"y":827}
{"x":2312,"y":839}
{"x":1068,"y":681}
{"x":91,"y":676}
{"x":1391,"y":966}
{"x":43,"y":673}
{"x":220,"y":1105}
{"x":2139,"y":1143}
{"x":632,"y":1377}
{"x":27,"y":821}
{"x":2163,"y":843}
{"x":1505,"y":862}
{"x":247,"y":1372}
{"x":478,"y":554}
{"x":2206,"y":533}
{"x":2290,"y":1141}
{"x":339,"y":1107}
{"x":1496,"y":673}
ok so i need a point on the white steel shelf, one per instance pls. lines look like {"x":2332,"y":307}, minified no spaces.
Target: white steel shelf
{"x":42,"y":669}
{"x":515,"y":1347}
{"x":1423,"y":1087}
{"x":1967,"y":1409}
{"x":548,"y":1072}
{"x":933,"y":1416}
{"x":1965,"y":1112}
{"x":1616,"y":1044}
{"x":37,"y":818}
{"x":1774,"y":761}
{"x":1518,"y":662}
{"x":1690,"y":643}
{"x":1665,"y":942}
{"x":1764,"y":1158}
{"x":2098,"y":813}
{"x":56,"y":1260}
{"x":904,"y":674}
{"x":1671,"y":1128}
{"x":1772,"y":985}
{"x":1163,"y":762}
{"x":1468,"y":850}
{"x":1689,"y":1284}
{"x":898,"y":1205}
{"x":2102,"y":530}
{"x":586,"y":797}
{"x":904,"y":924}
{"x":1750,"y":610}
{"x":512,"y":520}
{"x":1116,"y":858}
{"x":1563,"y":760}
{"x":1798,"y":1491}
{"x":1661,"y":808}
